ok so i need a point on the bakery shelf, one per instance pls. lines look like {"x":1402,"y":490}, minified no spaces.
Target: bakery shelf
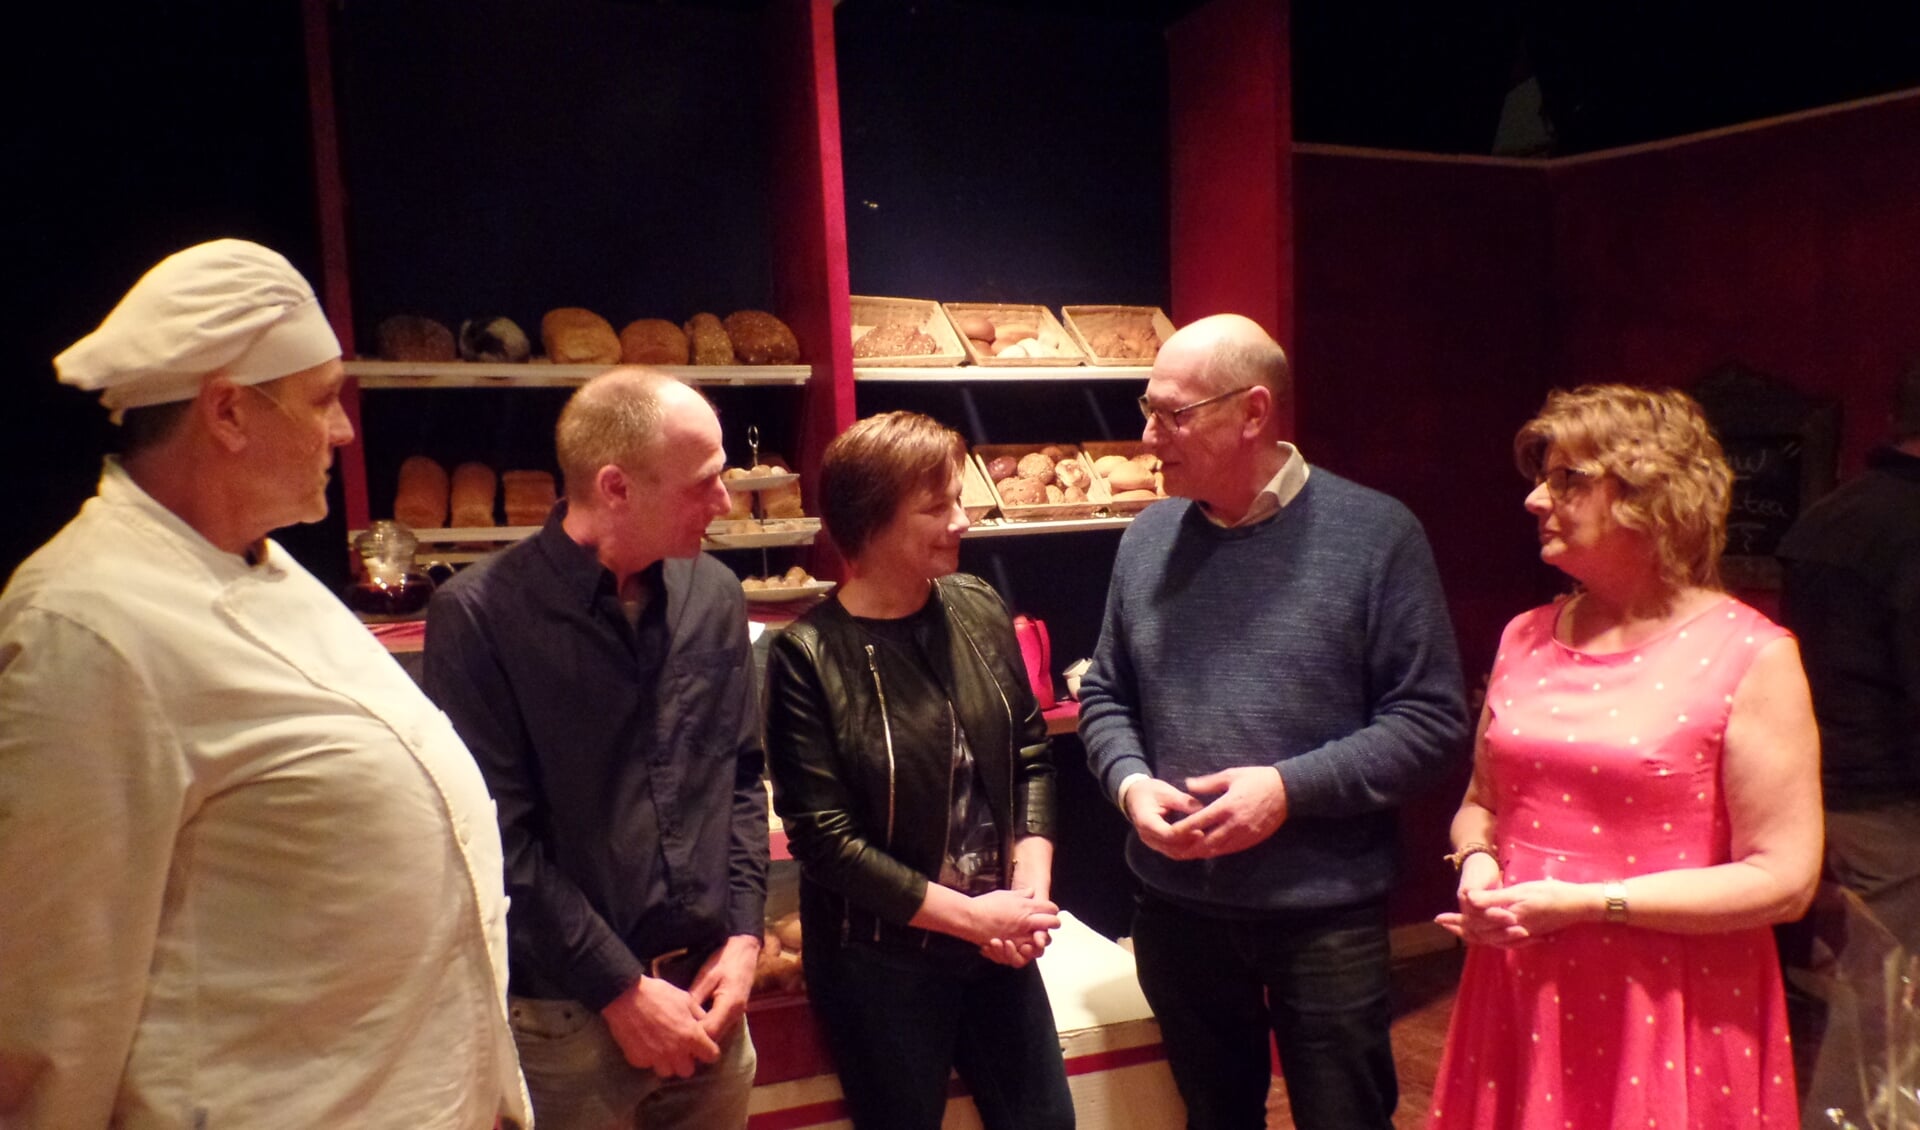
{"x":1001,"y":528}
{"x":976,"y":374}
{"x":459,"y":545}
{"x":481,"y":374}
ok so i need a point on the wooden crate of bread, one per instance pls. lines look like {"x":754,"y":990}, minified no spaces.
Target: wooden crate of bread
{"x":903,"y":332}
{"x":1013,"y":326}
{"x":1117,"y":335}
{"x":1128,"y":498}
{"x":1021,"y":474}
{"x":976,"y":493}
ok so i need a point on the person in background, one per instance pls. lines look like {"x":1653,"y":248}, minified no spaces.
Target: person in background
{"x":912,"y":770}
{"x":1645,"y":801}
{"x":1851,"y":593}
{"x":600,"y":673}
{"x":252,"y":877}
{"x":1275,"y":675}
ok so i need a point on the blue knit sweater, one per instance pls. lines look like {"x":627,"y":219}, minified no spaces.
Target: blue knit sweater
{"x":1317,"y":642}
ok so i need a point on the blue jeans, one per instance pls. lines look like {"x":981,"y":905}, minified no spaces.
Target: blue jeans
{"x":1318,"y":980}
{"x":579,"y":1078}
{"x":899,"y":1020}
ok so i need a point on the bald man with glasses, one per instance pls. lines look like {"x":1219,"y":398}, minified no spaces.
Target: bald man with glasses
{"x":1276,"y":674}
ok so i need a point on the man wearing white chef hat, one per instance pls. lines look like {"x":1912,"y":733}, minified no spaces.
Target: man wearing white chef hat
{"x":254,"y":877}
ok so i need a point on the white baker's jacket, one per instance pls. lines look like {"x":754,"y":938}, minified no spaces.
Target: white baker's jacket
{"x":249,"y":876}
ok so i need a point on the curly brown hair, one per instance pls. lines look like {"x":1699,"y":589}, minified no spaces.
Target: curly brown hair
{"x":1675,"y":485}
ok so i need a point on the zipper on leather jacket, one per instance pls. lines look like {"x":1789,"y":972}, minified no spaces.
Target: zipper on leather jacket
{"x":886,"y":730}
{"x":1013,"y":758}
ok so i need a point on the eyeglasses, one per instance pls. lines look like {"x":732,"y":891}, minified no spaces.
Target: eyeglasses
{"x":1562,"y":481}
{"x":1170,"y":418}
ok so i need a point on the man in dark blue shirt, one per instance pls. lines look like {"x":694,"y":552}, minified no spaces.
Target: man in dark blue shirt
{"x":600,"y":672}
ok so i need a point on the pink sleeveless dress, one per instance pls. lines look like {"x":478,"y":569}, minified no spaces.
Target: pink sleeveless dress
{"x":1604,"y":767}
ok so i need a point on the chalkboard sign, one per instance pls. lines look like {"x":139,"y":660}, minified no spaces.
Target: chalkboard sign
{"x":1783,"y":448}
{"x":1766,"y":492}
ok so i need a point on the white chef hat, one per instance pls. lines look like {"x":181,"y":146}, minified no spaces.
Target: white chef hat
{"x":228,"y":306}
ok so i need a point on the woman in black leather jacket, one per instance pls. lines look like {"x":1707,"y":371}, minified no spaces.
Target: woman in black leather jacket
{"x":911,"y":768}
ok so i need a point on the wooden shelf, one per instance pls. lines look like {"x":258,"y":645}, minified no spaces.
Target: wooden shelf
{"x":480,"y":374}
{"x":982,"y":374}
{"x":460,"y":545}
{"x":1001,"y":528}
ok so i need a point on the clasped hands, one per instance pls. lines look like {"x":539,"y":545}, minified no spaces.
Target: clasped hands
{"x":1250,"y":806}
{"x":1491,"y":914}
{"x":1013,"y":927}
{"x":671,"y":1031}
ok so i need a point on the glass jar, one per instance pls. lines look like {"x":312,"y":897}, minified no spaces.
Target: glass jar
{"x":390,"y":585}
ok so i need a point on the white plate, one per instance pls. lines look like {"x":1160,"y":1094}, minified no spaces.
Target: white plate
{"x":796,"y":592}
{"x":760,"y":482}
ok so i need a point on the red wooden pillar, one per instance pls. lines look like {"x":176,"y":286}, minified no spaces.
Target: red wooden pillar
{"x":1230,"y":113}
{"x":810,"y":228}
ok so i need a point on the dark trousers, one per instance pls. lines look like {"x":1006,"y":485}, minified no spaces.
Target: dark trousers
{"x":899,"y":1020}
{"x":1316,"y":979}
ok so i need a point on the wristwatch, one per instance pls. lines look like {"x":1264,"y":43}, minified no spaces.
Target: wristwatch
{"x":1615,"y":893}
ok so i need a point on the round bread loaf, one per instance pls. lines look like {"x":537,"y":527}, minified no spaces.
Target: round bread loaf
{"x":759,"y":338}
{"x":1002,"y":467}
{"x":410,"y":337}
{"x":573,"y":335}
{"x":653,"y":341}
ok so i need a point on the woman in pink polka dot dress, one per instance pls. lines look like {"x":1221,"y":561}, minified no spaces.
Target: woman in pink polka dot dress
{"x":1645,"y":802}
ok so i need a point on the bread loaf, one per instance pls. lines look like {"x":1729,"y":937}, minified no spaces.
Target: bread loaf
{"x":653,"y":341}
{"x":897,"y":340}
{"x":782,"y":502}
{"x":410,"y":337}
{"x":526,"y":496}
{"x":473,"y":485}
{"x":759,"y":338}
{"x":708,"y":342}
{"x":1038,"y":466}
{"x":420,"y":500}
{"x":493,"y":339}
{"x":575,"y":336}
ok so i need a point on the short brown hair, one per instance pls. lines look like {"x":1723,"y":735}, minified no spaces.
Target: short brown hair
{"x":1674,"y":479}
{"x":876,"y":464}
{"x":614,"y":418}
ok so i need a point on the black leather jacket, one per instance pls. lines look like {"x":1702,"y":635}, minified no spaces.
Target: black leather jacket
{"x":860,"y":779}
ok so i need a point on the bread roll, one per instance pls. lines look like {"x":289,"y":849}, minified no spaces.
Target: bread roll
{"x":708,"y":342}
{"x":1132,"y":476}
{"x":653,"y":341}
{"x":472,"y":495}
{"x":787,"y":929}
{"x":420,"y":501}
{"x":759,"y":338}
{"x":1023,"y":492}
{"x":410,"y":337}
{"x":979,"y":327}
{"x":1071,"y":472}
{"x":1104,"y":465}
{"x":575,"y":336}
{"x":1002,"y":467}
{"x":493,"y":339}
{"x":1038,"y":466}
{"x":526,"y":496}
{"x":782,"y":502}
{"x":1134,"y":495}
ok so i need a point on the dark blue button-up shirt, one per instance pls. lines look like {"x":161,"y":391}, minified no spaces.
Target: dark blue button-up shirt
{"x":625,"y":760}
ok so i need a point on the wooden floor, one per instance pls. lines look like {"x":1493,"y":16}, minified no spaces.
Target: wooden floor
{"x":1423,"y":989}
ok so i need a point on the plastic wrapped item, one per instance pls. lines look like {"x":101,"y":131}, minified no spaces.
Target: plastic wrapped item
{"x":1867,"y":1072}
